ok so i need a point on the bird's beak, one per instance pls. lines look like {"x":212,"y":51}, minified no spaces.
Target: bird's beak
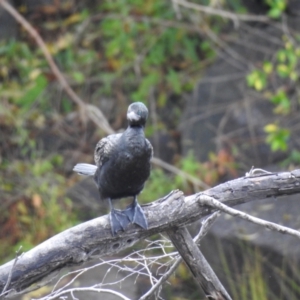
{"x":132,"y":116}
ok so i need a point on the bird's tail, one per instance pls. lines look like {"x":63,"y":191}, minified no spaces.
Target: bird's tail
{"x":85,"y":169}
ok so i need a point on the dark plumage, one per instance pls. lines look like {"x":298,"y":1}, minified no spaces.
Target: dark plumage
{"x":122,"y":167}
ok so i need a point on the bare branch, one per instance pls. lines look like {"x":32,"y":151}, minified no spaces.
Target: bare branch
{"x":138,"y":263}
{"x":210,"y":201}
{"x":256,"y":171}
{"x":85,"y":289}
{"x":162,"y":280}
{"x":197,"y":182}
{"x":4,"y":291}
{"x":93,"y":239}
{"x":97,"y":116}
{"x":221,"y":13}
{"x":198,"y":265}
{"x":206,"y":224}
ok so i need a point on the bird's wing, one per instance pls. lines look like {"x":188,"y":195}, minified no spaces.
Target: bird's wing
{"x":85,"y":169}
{"x":150,"y":147}
{"x":104,"y":147}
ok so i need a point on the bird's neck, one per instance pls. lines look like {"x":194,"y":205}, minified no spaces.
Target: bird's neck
{"x":135,"y":132}
{"x":136,"y":127}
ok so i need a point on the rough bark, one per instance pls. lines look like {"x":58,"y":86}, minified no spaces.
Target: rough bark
{"x":93,"y":238}
{"x":203,"y":274}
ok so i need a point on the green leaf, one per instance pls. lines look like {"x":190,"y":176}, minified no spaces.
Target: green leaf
{"x":274,"y":13}
{"x":268,"y":67}
{"x":174,"y":81}
{"x":270,"y":128}
{"x":147,"y":82}
{"x":257,"y":79}
{"x":78,"y":76}
{"x":190,"y":49}
{"x":282,"y":101}
{"x":66,"y":105}
{"x":294,"y":76}
{"x":292,"y":57}
{"x":277,"y":137}
{"x":281,"y":55}
{"x":156,"y":55}
{"x":283,"y":70}
{"x":31,"y":95}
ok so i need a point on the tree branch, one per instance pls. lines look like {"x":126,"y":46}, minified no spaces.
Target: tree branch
{"x":196,"y":262}
{"x":85,"y":289}
{"x":4,"y":291}
{"x":221,"y":13}
{"x":93,"y":238}
{"x":206,"y":224}
{"x":210,"y":201}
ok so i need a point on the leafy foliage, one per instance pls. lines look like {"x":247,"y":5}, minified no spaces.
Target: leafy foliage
{"x":277,"y":7}
{"x":286,"y":68}
{"x":121,"y":54}
{"x":33,"y":206}
{"x":277,"y":137}
{"x":257,"y":79}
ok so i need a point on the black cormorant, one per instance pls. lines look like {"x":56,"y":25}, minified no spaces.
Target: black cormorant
{"x":122,"y":167}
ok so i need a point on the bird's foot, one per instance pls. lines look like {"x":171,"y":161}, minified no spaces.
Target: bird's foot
{"x":136,"y":215}
{"x":118,"y":221}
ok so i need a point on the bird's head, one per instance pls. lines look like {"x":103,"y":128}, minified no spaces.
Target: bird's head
{"x":137,"y":114}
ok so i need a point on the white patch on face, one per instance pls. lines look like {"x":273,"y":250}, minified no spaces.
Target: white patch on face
{"x":133,"y":116}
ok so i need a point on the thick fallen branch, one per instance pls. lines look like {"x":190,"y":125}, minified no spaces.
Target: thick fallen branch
{"x":206,"y":224}
{"x":202,"y":272}
{"x":93,"y":238}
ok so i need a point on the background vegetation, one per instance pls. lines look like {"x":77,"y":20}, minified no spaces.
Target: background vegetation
{"x":113,"y":53}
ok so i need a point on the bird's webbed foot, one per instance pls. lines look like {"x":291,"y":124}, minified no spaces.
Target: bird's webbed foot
{"x":118,"y":221}
{"x":136,"y":215}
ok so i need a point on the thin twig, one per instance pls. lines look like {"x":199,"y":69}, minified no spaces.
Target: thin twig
{"x":206,"y":225}
{"x":212,"y":202}
{"x":11,"y":271}
{"x":237,"y":60}
{"x":257,"y":172}
{"x":139,"y":258}
{"x":161,"y":280}
{"x":286,"y":30}
{"x":85,"y":289}
{"x":97,"y":116}
{"x":157,"y":161}
{"x":222,"y":13}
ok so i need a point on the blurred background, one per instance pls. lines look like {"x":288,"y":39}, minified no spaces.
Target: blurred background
{"x":221,"y":81}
